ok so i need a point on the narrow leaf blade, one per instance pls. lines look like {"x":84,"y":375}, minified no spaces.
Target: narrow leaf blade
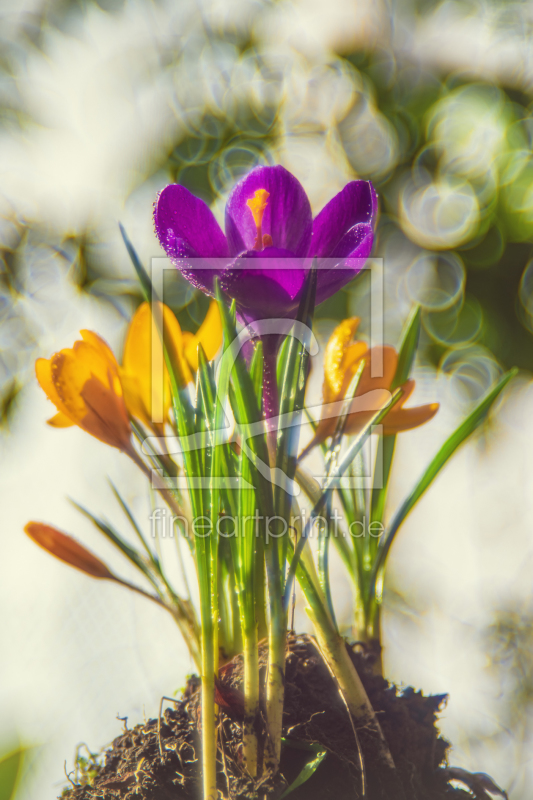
{"x":309,"y":769}
{"x":408,"y":348}
{"x":446,"y":451}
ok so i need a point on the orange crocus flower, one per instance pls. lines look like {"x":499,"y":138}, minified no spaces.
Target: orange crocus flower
{"x":91,"y":390}
{"x":145,"y":379}
{"x":342,"y":359}
{"x":83,"y":383}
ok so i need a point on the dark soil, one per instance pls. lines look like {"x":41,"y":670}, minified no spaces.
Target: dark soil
{"x":142,"y":764}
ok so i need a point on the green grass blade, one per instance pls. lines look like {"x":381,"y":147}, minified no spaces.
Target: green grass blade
{"x":291,"y":401}
{"x":10,"y":767}
{"x":144,"y":279}
{"x":133,"y":522}
{"x":358,"y":443}
{"x":294,"y":377}
{"x":408,"y":348}
{"x":282,"y":359}
{"x":116,"y":539}
{"x":406,"y":358}
{"x":333,"y":481}
{"x":246,"y":406}
{"x":309,"y":769}
{"x":332,"y":455}
{"x":446,"y":451}
{"x":385,"y":456}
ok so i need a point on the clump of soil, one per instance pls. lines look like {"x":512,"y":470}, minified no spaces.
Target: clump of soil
{"x":160,"y":760}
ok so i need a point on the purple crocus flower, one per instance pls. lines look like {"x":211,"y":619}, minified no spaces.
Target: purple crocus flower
{"x":270,"y":243}
{"x":268,"y":217}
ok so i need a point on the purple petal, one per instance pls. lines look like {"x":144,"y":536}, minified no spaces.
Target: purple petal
{"x":287,"y":217}
{"x":350,"y":254}
{"x":354,"y":204}
{"x":187,"y":229}
{"x":201,"y":272}
{"x":190,"y":220}
{"x":270,"y":288}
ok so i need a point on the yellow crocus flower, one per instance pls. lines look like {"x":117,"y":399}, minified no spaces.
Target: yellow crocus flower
{"x":83,"y":383}
{"x":145,"y":379}
{"x":342,"y":359}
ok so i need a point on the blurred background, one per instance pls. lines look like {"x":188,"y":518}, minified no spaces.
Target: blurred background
{"x":104,"y":103}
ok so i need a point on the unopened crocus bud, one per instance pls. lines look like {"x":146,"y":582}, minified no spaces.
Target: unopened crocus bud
{"x":68,"y":550}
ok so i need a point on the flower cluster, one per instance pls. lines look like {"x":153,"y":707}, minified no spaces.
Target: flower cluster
{"x":90,"y":389}
{"x":264,"y":262}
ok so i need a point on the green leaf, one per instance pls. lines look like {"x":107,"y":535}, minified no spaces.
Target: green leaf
{"x":133,"y":522}
{"x":10,"y":766}
{"x":116,"y":539}
{"x":332,"y":453}
{"x":282,"y":358}
{"x":446,"y":451}
{"x":291,"y":400}
{"x":312,"y":489}
{"x":310,"y":768}
{"x":180,"y":396}
{"x":246,"y":405}
{"x":406,"y":358}
{"x":294,"y":380}
{"x":144,"y":279}
{"x":333,"y":481}
{"x":256,"y":369}
{"x":408,"y":348}
{"x":357,"y":444}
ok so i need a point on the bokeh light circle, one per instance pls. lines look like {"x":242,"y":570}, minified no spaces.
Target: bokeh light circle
{"x":233,"y":163}
{"x":525,"y":291}
{"x":456,"y":326}
{"x":472,"y":372}
{"x":436,"y":280}
{"x":468,"y":126}
{"x":439,"y":214}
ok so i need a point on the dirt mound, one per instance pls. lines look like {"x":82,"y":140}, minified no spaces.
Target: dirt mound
{"x":162,"y":759}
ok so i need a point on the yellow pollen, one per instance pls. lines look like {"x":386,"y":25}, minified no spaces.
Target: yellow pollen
{"x":257,"y":205}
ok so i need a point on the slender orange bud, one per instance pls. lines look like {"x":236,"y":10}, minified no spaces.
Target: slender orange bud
{"x":68,"y":550}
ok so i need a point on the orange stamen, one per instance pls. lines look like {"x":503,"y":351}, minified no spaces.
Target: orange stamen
{"x":257,"y":205}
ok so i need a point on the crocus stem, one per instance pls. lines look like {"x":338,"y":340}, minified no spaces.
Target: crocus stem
{"x":371,"y":634}
{"x":275,"y":685}
{"x":334,"y":651}
{"x":277,"y":622}
{"x":277,"y":633}
{"x":251,"y":700}
{"x":270,"y":383}
{"x":270,"y":397}
{"x":208,"y":713}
